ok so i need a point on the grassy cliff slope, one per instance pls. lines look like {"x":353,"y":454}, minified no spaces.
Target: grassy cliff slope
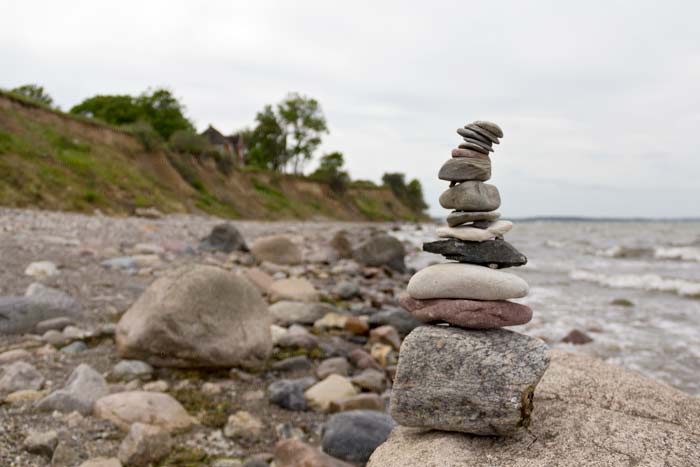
{"x":53,"y":160}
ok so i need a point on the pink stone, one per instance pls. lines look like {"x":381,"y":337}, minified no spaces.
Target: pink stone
{"x":467,"y":313}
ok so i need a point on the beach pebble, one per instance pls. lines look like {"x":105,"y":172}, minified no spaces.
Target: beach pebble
{"x":364,"y":401}
{"x":353,"y":436}
{"x":479,"y":314}
{"x":333,"y":366}
{"x":41,"y":269}
{"x":227,"y":309}
{"x":83,"y":388}
{"x":243,"y":425}
{"x":19,"y":376}
{"x":289,"y":393}
{"x":321,"y":394}
{"x":456,"y":218}
{"x":469,"y":132}
{"x":475,"y":234}
{"x":481,"y":380}
{"x":41,"y":443}
{"x":144,"y":445}
{"x":224,"y":237}
{"x":498,"y":252}
{"x":381,"y":250}
{"x":152,"y":408}
{"x":276,"y":249}
{"x":458,"y":280}
{"x":286,"y":312}
{"x":460,"y":169}
{"x":471,"y":196}
{"x":490,"y":126}
{"x":294,"y":289}
{"x":475,"y":146}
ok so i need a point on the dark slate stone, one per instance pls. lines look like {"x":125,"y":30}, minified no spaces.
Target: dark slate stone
{"x":289,"y":393}
{"x":224,"y":237}
{"x":354,"y":435}
{"x":498,"y":252}
{"x":300,"y":362}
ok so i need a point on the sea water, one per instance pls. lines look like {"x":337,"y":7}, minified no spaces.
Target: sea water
{"x":577,"y":269}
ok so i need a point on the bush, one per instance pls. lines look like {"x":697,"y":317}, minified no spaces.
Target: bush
{"x":147,"y":136}
{"x":329,"y":171}
{"x":188,"y":142}
{"x":34,"y":93}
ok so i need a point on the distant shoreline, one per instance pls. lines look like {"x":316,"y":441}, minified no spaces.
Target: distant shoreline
{"x":594,"y":219}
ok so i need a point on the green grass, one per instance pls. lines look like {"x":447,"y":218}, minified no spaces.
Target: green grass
{"x":273,"y":199}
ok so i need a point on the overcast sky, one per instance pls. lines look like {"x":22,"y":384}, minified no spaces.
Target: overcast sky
{"x":599,"y":101}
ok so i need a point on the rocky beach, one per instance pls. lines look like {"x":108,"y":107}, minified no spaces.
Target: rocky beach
{"x":87,"y":376}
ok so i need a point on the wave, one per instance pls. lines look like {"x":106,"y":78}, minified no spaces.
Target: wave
{"x":650,"y":282}
{"x":682,"y":253}
{"x":621,"y":251}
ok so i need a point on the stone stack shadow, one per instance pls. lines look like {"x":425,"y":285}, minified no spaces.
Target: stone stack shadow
{"x":462,"y":371}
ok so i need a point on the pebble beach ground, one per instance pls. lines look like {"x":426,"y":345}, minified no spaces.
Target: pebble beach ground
{"x":78,"y":245}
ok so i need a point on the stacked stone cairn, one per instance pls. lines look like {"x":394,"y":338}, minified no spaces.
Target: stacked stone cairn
{"x":462,"y":371}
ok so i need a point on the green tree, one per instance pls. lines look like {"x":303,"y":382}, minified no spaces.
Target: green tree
{"x":159,"y":108}
{"x":330,"y":171}
{"x":113,"y":109}
{"x":267,"y":143}
{"x":410,"y":195}
{"x":35,"y":93}
{"x":303,"y":122}
{"x":164,"y":112}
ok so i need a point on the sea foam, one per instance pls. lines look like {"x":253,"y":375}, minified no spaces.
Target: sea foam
{"x":650,"y":282}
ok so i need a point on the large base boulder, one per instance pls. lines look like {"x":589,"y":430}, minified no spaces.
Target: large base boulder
{"x":199,"y":316}
{"x":589,"y":413}
{"x":473,"y":381}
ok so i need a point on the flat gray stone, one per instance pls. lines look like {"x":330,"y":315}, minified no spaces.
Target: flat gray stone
{"x":471,"y":196}
{"x":467,"y":132}
{"x":493,"y":252}
{"x":461,"y":169}
{"x":483,"y":132}
{"x":456,"y":218}
{"x":587,"y":413}
{"x":490,"y":126}
{"x":461,"y":152}
{"x":474,"y":147}
{"x":83,"y":388}
{"x":20,"y":315}
{"x":476,"y":142}
{"x":471,"y":381}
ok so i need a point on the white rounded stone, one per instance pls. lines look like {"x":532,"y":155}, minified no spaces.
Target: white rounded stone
{"x":474,"y":234}
{"x":459,"y":280}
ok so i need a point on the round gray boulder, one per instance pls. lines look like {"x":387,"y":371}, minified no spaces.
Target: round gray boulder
{"x":353,"y":436}
{"x":199,"y":316}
